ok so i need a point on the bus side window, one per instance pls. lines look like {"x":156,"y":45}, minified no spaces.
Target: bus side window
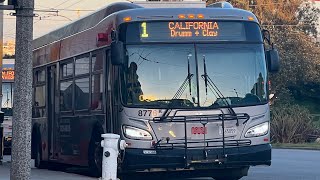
{"x":66,"y":70}
{"x":97,"y":80}
{"x":81,"y":90}
{"x":39,"y":96}
{"x":97,"y":61}
{"x":82,"y":65}
{"x":97,"y":90}
{"x":39,"y":101}
{"x":66,"y":91}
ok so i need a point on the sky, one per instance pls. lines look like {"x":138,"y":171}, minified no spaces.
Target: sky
{"x":48,"y":21}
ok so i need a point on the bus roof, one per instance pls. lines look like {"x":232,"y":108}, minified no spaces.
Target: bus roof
{"x":169,"y":14}
{"x":82,"y":24}
{"x":137,"y":13}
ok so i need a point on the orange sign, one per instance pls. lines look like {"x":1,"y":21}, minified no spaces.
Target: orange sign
{"x":7,"y":74}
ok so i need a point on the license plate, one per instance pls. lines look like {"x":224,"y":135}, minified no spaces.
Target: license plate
{"x":199,"y":130}
{"x":228,"y":131}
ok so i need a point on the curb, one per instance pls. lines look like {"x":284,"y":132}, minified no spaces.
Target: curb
{"x":297,"y":148}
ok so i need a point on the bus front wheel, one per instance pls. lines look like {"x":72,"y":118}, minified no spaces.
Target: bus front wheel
{"x":95,"y":156}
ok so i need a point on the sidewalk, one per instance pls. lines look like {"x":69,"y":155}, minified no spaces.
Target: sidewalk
{"x":40,"y":174}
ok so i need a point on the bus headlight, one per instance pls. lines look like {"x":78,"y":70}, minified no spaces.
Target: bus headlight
{"x":136,"y":133}
{"x":258,"y":130}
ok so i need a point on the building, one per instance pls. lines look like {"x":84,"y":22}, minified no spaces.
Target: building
{"x":7,"y":83}
{"x":9,"y":47}
{"x":7,"y":102}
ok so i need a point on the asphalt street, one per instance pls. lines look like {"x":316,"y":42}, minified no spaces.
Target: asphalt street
{"x":286,"y":165}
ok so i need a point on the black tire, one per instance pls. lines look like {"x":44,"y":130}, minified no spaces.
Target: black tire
{"x":95,"y":156}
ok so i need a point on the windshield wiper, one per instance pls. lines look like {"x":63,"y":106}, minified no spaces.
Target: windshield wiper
{"x":179,"y":93}
{"x":215,"y":89}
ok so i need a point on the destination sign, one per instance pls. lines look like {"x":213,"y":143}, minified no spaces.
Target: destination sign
{"x":7,"y":74}
{"x":189,"y":29}
{"x":177,"y":31}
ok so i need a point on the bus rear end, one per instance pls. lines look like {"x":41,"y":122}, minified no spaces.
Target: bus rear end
{"x":193,"y":91}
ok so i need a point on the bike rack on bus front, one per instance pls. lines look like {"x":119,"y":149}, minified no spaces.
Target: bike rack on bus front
{"x":204,"y":120}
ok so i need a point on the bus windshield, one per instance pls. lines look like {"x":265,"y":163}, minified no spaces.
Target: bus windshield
{"x":156,"y":72}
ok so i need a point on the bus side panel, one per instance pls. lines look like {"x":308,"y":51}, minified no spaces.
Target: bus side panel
{"x":39,"y":57}
{"x":75,"y":134}
{"x":53,"y":52}
{"x":86,"y":41}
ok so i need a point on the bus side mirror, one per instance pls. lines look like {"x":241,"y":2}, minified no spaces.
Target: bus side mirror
{"x":273,"y":60}
{"x":117,"y":53}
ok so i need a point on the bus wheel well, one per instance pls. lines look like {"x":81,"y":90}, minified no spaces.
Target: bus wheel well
{"x":97,"y":130}
{"x":35,"y":138}
{"x":95,"y":151}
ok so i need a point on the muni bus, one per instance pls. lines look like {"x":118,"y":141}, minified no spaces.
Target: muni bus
{"x":186,"y":88}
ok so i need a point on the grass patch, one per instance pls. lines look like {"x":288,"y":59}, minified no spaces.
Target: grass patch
{"x":311,"y":146}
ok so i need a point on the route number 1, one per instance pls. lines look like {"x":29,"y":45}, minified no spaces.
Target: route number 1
{"x":144,"y":30}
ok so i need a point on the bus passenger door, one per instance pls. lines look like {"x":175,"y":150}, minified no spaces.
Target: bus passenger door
{"x":52,"y":128}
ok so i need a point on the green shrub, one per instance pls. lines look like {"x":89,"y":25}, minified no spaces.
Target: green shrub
{"x":290,"y":124}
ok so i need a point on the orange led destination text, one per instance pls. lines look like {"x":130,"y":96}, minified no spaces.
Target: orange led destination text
{"x":7,"y":74}
{"x":190,"y":29}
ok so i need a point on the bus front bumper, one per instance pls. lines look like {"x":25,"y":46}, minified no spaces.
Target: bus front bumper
{"x":141,"y":159}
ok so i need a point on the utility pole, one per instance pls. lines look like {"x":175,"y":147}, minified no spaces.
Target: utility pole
{"x":21,"y":124}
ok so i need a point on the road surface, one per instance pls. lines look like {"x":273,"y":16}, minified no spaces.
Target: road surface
{"x":286,"y":165}
{"x":289,"y":164}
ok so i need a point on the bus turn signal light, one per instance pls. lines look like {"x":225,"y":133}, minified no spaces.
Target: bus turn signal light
{"x":191,"y":16}
{"x":181,"y":16}
{"x":127,"y":19}
{"x":250,"y":18}
{"x":200,"y":16}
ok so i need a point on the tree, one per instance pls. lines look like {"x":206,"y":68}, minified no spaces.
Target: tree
{"x":297,"y":14}
{"x":308,"y":15}
{"x":6,"y":56}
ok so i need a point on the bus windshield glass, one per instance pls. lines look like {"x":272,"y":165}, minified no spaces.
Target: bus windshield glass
{"x":156,"y":71}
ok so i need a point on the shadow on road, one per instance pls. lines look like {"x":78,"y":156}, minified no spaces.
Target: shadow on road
{"x":139,"y":176}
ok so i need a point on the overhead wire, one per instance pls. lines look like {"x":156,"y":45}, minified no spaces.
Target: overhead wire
{"x":74,"y":4}
{"x":56,"y":7}
{"x":62,"y":3}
